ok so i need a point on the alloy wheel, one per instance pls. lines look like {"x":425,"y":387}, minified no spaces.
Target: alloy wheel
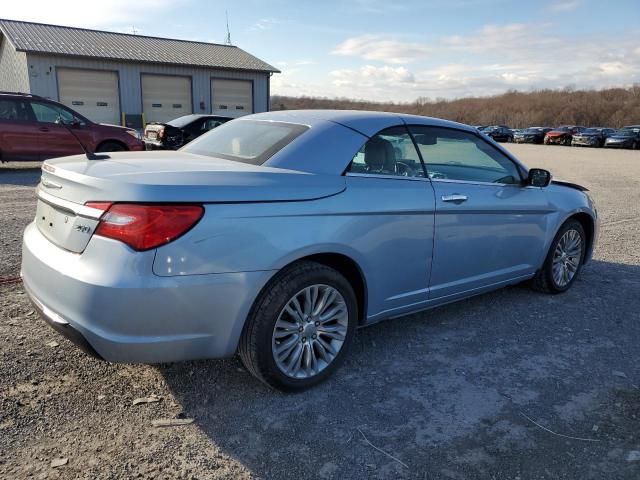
{"x":566,"y":258}
{"x":310,"y":331}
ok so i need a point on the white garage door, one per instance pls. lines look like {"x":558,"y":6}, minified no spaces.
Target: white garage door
{"x":232,"y":98}
{"x":91,"y":93}
{"x":165,"y":98}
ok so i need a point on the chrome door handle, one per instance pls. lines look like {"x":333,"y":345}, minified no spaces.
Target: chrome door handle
{"x":454,"y":198}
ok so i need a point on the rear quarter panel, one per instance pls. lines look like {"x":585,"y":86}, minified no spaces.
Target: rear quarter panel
{"x":385,"y":226}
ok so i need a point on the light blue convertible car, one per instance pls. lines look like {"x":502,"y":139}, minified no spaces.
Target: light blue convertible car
{"x":278,"y":234}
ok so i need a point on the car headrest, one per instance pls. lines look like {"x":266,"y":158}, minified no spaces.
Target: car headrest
{"x":379,"y":155}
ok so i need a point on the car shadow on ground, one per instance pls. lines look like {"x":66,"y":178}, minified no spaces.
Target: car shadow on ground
{"x":452,"y":392}
{"x":26,"y":175}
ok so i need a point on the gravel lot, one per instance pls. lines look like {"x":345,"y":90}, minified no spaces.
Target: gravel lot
{"x":507,"y":385}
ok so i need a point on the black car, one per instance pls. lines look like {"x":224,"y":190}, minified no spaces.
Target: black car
{"x":627,"y":137}
{"x":176,"y":133}
{"x":499,"y":133}
{"x":591,"y":137}
{"x":531,"y":135}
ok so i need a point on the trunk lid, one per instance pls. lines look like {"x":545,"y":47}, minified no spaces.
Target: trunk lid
{"x":164,"y":176}
{"x":68,"y":183}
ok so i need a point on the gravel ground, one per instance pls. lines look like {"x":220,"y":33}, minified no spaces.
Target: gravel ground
{"x":511,"y":384}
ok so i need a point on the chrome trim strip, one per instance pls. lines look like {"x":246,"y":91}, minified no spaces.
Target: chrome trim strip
{"x":469,"y":182}
{"x":77,"y":209}
{"x":388,"y":177}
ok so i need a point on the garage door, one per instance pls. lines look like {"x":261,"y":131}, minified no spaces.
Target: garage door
{"x":231,"y":97}
{"x":165,"y":98}
{"x":91,"y":93}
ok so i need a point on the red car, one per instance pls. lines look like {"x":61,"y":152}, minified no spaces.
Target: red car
{"x":562,"y":135}
{"x":34,"y":128}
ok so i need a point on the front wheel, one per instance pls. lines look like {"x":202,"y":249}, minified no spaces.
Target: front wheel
{"x":300,"y":328}
{"x":564,"y":260}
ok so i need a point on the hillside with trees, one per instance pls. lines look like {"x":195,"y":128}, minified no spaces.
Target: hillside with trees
{"x":612,"y":107}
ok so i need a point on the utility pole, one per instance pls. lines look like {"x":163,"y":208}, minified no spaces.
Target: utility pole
{"x":228,"y":40}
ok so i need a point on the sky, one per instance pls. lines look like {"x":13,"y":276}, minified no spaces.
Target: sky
{"x":390,"y":50}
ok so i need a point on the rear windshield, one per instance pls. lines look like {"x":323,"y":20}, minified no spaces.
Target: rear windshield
{"x":246,"y":141}
{"x":182,"y":121}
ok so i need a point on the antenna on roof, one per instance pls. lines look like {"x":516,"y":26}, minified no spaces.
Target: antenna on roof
{"x":228,"y":39}
{"x":133,"y":29}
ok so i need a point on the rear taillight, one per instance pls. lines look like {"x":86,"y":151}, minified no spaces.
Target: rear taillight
{"x":144,"y":227}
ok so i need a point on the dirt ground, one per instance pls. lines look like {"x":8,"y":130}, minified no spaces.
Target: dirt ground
{"x":508,"y":385}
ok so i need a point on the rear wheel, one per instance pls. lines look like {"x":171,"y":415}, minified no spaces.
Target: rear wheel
{"x":300,"y":328}
{"x":111,"y":147}
{"x":564,"y":260}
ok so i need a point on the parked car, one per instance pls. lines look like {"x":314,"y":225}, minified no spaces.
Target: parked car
{"x":562,"y":135}
{"x":176,"y":133}
{"x":627,"y":137}
{"x":35,"y":128}
{"x":277,"y":234}
{"x":591,"y":137}
{"x":531,"y":135}
{"x":499,"y":133}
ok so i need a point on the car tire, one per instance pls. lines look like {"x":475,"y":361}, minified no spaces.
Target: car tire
{"x":567,"y":142}
{"x":110,"y":147}
{"x":269,"y":327}
{"x":546,"y":280}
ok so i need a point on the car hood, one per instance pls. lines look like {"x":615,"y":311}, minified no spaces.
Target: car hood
{"x":178,"y":177}
{"x":555,"y":133}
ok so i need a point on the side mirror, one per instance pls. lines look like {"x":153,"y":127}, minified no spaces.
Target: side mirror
{"x":539,"y":177}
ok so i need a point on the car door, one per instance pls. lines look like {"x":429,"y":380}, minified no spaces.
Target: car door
{"x":54,"y":138}
{"x":391,"y":204}
{"x":489,"y":227}
{"x":18,"y":131}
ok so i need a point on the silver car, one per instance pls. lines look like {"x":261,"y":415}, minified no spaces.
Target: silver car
{"x":278,"y":234}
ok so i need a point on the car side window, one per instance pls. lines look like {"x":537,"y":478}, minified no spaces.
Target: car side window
{"x":13,"y":110}
{"x":451,"y":154}
{"x":390,"y":152}
{"x":48,"y":113}
{"x":210,"y":124}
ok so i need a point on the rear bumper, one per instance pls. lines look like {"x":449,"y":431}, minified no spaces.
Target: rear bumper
{"x":153,"y":145}
{"x":109,"y":302}
{"x":61,"y":326}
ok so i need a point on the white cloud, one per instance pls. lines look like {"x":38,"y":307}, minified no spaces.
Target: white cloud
{"x":370,"y":76}
{"x":265,"y":24}
{"x":488,"y":61}
{"x":382,"y":48}
{"x":80,"y":13}
{"x":564,"y":5}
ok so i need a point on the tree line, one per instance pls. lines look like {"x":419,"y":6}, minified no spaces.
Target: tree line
{"x":612,"y":107}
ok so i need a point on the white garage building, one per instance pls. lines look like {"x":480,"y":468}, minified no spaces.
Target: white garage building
{"x":130,"y":79}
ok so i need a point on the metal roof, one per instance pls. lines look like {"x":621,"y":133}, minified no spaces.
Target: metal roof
{"x":60,"y":40}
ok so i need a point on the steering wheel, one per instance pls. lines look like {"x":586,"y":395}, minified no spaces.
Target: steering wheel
{"x":405,"y":169}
